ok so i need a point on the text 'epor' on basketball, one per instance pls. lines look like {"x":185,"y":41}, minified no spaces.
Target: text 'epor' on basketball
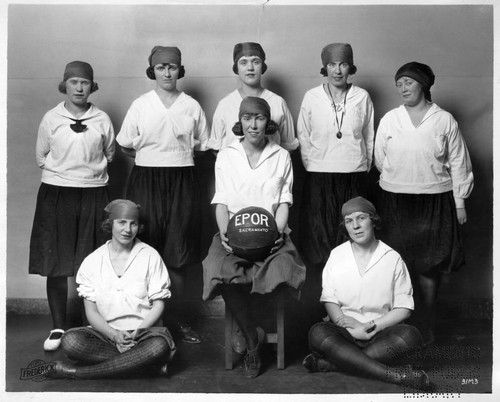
{"x":252,"y":232}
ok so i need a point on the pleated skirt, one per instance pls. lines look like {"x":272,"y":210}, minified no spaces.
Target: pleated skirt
{"x":424,"y":229}
{"x":171,"y":211}
{"x":285,"y":267}
{"x":320,"y":213}
{"x":66,"y":228}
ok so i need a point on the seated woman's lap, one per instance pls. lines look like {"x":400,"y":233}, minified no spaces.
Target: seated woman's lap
{"x":387,"y":345}
{"x":85,"y":344}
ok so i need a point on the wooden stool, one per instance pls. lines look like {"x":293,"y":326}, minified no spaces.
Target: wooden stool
{"x":277,"y":337}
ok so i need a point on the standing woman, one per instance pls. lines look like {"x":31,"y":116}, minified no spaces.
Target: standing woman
{"x":253,"y":171}
{"x":74,"y":146}
{"x":249,"y":61}
{"x":335,"y":130}
{"x":162,"y":130}
{"x":426,"y":175}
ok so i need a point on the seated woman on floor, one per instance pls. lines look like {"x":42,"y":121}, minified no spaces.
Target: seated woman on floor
{"x":254,"y":171}
{"x":367,"y":293}
{"x":123,"y":284}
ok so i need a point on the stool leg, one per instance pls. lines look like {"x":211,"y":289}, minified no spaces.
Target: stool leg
{"x":228,"y":333}
{"x":280,"y":323}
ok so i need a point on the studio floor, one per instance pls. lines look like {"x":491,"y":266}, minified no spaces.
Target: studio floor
{"x":460,"y":362}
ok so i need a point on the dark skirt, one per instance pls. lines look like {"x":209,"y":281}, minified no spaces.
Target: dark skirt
{"x":424,"y":229}
{"x":170,"y":202}
{"x":66,"y":228}
{"x":223,"y":268}
{"x":320,"y":213}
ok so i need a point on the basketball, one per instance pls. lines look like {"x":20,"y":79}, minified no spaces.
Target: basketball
{"x":252,"y":232}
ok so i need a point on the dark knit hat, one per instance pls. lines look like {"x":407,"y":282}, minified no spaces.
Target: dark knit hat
{"x":79,"y":69}
{"x":421,"y":73}
{"x":254,"y":105}
{"x":248,"y":49}
{"x":164,"y":55}
{"x":123,"y":209}
{"x":358,"y":204}
{"x":337,"y":52}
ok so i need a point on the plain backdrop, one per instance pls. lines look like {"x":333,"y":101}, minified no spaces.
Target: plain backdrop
{"x":455,"y":40}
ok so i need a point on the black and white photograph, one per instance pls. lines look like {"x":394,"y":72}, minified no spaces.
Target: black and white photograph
{"x":234,"y":200}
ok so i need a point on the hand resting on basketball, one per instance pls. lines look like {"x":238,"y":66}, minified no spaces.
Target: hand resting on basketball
{"x":225,"y":242}
{"x":278,"y":243}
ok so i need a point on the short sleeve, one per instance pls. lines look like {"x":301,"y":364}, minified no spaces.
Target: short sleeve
{"x":86,"y":276}
{"x":129,"y":130}
{"x":221,"y":172}
{"x":381,"y":143}
{"x":286,"y":192}
{"x":218,"y":130}
{"x":403,"y":290}
{"x":158,"y":278}
{"x":43,"y":142}
{"x":329,"y":293}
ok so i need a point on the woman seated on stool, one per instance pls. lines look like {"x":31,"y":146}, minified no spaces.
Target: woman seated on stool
{"x":367,"y":294}
{"x":253,"y":171}
{"x":123,"y":284}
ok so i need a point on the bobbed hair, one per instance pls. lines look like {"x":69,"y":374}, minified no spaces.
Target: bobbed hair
{"x":352,"y":70}
{"x":62,"y":87}
{"x":150,"y":72}
{"x":271,"y":128}
{"x":107,"y":226}
{"x":375,"y":218}
{"x":235,"y":67}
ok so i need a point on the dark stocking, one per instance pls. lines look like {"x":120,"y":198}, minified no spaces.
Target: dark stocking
{"x":239,"y":300}
{"x":84,"y":347}
{"x":151,"y":351}
{"x":391,"y":343}
{"x":335,"y":346}
{"x":428,"y":291}
{"x":177,"y":302}
{"x":57,"y":296}
{"x":428,"y":286}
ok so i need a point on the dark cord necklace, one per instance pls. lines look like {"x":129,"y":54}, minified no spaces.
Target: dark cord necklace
{"x":338,"y":108}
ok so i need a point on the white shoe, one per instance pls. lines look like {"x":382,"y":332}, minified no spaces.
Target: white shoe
{"x":54,"y":340}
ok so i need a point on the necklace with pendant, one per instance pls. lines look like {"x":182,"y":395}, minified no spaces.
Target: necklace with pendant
{"x":338,"y":108}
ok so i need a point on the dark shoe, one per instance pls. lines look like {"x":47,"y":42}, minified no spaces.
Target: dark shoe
{"x":315,"y":363}
{"x":417,"y":379}
{"x":163,"y":370}
{"x":252,"y":358}
{"x":428,"y":336}
{"x":188,"y":335}
{"x":238,"y":341}
{"x":63,"y":370}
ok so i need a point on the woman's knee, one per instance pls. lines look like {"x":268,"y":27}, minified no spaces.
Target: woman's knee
{"x":410,"y":334}
{"x":71,"y":341}
{"x":319,"y":332}
{"x":158,"y":345}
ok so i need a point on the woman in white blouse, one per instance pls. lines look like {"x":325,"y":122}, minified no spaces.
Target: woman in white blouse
{"x":336,"y":134}
{"x":123,"y":284}
{"x":249,"y":63}
{"x":426,"y":175}
{"x":162,"y":130}
{"x":74,"y":146}
{"x":367,"y":294}
{"x":254,"y":171}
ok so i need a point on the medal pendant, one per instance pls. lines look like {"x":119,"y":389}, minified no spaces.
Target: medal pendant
{"x":339,"y":135}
